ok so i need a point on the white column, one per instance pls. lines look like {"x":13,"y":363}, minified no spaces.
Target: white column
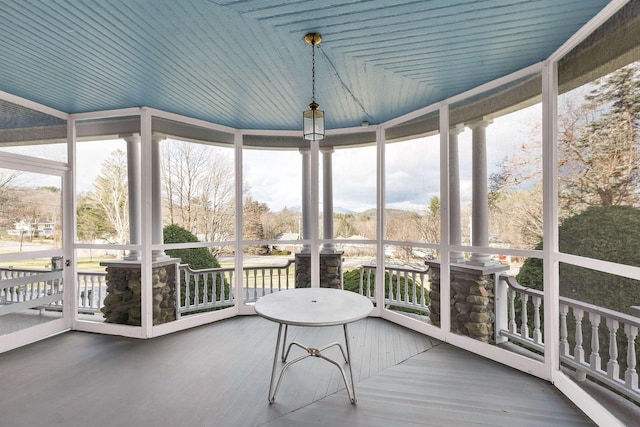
{"x":480,"y":202}
{"x":455,"y":226}
{"x":157,"y":237}
{"x":327,"y":199}
{"x":135,"y":193}
{"x":306,"y":197}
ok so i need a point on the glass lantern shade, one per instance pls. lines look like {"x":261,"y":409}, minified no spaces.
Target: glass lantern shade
{"x":313,"y":124}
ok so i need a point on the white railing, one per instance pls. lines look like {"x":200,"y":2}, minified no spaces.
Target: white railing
{"x":405,"y":286}
{"x":22,"y":289}
{"x":91,"y":289}
{"x":216,"y":285}
{"x":204,"y":289}
{"x":603,"y":359}
{"x":214,"y":290}
{"x":260,"y":281}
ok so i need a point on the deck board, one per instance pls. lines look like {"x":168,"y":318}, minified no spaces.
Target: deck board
{"x":218,"y":375}
{"x":444,"y":386}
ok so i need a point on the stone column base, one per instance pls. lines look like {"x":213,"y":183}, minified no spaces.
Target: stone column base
{"x":123,"y":303}
{"x":330,"y":270}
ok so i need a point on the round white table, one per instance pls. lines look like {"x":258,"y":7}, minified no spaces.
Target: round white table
{"x":313,"y":307}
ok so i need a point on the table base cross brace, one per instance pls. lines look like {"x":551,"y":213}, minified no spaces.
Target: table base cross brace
{"x":311,"y":352}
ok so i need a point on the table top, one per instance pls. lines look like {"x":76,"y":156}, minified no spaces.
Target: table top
{"x":314,"y":307}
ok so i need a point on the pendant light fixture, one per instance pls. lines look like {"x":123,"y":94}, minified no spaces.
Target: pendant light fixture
{"x":313,"y":118}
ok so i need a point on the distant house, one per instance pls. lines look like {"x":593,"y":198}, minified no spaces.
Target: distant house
{"x":286,"y":237}
{"x":45,"y":229}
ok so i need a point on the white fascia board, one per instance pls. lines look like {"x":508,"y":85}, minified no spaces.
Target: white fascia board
{"x":33,"y":105}
{"x":107,"y":114}
{"x":190,"y":121}
{"x":530,"y":70}
{"x":607,"y":12}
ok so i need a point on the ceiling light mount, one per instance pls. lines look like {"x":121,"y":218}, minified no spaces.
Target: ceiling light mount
{"x":313,"y":39}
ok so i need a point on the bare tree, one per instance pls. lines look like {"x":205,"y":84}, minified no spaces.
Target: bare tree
{"x":600,"y":144}
{"x":110,"y":195}
{"x":6,"y":177}
{"x":198,"y":184}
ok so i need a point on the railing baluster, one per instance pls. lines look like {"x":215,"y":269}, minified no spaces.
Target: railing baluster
{"x":513,"y":326}
{"x":187,"y":298}
{"x":246,"y":282}
{"x":578,"y":352}
{"x":594,"y":358}
{"x":287,"y":279}
{"x":613,"y":368}
{"x":564,"y":335}
{"x":630,"y":375}
{"x":537,"y":334}
{"x":218,"y":287}
{"x":405,"y":280}
{"x":524,"y":328}
{"x":255,"y":285}
{"x":206,"y":281}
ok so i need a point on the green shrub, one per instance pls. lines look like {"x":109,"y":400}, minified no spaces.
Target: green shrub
{"x":351,"y":282}
{"x":605,"y":233}
{"x":197,"y":259}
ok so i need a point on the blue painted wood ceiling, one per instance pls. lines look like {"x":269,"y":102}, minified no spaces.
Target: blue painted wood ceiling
{"x":244,"y":63}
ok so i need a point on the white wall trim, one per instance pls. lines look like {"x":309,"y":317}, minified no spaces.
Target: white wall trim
{"x":33,"y":105}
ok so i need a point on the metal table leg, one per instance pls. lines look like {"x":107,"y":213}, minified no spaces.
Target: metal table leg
{"x":315,"y":352}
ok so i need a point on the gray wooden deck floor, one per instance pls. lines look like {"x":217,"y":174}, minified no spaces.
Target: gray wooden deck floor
{"x":218,"y":375}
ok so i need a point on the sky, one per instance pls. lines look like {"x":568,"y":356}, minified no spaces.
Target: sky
{"x":412,"y":168}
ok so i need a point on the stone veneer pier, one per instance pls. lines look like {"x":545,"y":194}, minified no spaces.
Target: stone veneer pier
{"x":330,"y":270}
{"x":472,"y":298}
{"x":124,"y":289}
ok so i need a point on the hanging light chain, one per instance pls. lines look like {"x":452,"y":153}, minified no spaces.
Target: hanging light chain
{"x":313,"y":72}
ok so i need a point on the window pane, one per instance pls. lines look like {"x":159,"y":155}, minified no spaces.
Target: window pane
{"x":354,"y":192}
{"x":412,"y":183}
{"x":198,"y":188}
{"x":502,"y":128}
{"x":30,"y":211}
{"x":599,"y":167}
{"x":103,"y":191}
{"x":273,"y":195}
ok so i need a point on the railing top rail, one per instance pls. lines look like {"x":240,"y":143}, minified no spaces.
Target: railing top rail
{"x":627,"y":319}
{"x":513,"y":283}
{"x":46,"y":270}
{"x":228,"y":269}
{"x":591,"y":308}
{"x":407,"y":268}
{"x":25,"y":270}
{"x":27,"y":280}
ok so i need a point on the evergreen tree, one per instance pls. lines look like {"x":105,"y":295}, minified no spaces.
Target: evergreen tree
{"x":252,"y":227}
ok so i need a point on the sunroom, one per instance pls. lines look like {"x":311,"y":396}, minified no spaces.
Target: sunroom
{"x":477,"y":179}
